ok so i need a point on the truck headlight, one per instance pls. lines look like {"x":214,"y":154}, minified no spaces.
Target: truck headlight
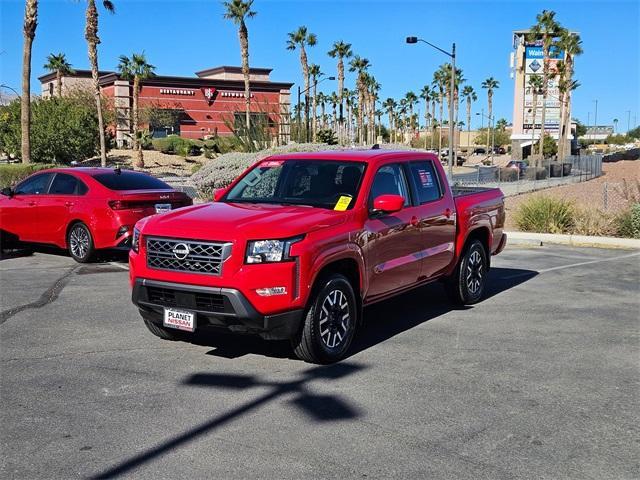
{"x":135,"y":240}
{"x":265,"y":251}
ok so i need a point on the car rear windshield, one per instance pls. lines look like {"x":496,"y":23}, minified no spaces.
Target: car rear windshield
{"x":127,"y":180}
{"x":317,"y":183}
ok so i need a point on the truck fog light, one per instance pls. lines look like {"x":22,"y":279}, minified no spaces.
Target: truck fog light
{"x":122,"y":230}
{"x":269,"y":292}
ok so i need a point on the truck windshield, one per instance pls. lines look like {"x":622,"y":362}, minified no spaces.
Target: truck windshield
{"x":317,"y":183}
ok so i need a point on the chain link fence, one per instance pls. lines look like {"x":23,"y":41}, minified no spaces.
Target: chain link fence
{"x":521,"y":178}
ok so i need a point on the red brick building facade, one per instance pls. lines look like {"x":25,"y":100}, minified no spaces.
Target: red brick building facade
{"x":210,"y":103}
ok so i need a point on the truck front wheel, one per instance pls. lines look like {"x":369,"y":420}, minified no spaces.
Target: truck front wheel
{"x":466,"y":285}
{"x":330,"y":322}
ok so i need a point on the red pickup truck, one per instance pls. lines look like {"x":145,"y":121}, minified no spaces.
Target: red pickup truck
{"x":300,"y":243}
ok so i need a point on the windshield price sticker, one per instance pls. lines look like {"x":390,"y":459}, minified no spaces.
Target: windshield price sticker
{"x":343,"y":203}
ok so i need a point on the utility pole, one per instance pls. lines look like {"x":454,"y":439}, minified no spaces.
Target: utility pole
{"x":628,"y":120}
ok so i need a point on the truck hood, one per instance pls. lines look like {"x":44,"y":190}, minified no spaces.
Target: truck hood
{"x":237,"y":221}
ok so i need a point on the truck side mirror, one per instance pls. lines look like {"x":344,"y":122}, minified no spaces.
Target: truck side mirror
{"x":7,"y":192}
{"x":388,"y":203}
{"x":218,"y":194}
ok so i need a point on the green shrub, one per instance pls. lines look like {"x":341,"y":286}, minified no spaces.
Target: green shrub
{"x":545,"y":215}
{"x":549,"y":147}
{"x":176,"y":145}
{"x":62,"y":129}
{"x":327,"y":136}
{"x":627,"y":222}
{"x":13,"y":173}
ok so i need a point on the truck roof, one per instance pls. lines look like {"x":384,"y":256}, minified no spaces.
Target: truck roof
{"x":353,"y":155}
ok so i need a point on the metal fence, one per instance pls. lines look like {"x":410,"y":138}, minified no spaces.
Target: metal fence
{"x":513,"y":180}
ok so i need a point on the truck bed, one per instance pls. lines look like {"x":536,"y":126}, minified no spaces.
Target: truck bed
{"x":461,"y":190}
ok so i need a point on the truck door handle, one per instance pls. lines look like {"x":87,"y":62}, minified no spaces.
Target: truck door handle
{"x":68,"y":204}
{"x":414,"y":221}
{"x":447,"y":213}
{"x":32,"y":204}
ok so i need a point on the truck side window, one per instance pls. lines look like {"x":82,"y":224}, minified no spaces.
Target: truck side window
{"x":425,"y":179}
{"x":36,"y":185}
{"x":389,"y":180}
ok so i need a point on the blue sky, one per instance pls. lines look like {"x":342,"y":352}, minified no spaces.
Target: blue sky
{"x":183,"y":36}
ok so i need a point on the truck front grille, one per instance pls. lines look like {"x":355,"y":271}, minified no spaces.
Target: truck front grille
{"x":186,"y":255}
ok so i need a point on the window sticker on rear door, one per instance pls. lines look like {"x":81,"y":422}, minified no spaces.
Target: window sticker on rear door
{"x":425,"y":178}
{"x":343,"y":203}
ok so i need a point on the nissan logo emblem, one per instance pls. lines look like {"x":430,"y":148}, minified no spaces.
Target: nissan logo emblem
{"x":180,"y":251}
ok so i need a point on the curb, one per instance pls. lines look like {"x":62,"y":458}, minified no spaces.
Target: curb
{"x":539,"y":239}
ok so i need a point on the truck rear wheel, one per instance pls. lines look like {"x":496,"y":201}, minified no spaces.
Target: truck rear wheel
{"x":466,"y":285}
{"x":330,"y":322}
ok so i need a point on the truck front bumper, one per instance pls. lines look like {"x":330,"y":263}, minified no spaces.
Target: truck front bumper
{"x":215,"y":307}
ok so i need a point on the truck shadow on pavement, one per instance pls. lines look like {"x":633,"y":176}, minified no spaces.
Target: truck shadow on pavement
{"x":382,"y":321}
{"x":318,"y":408}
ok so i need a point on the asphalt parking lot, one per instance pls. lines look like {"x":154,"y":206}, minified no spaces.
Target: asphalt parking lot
{"x":540,"y":380}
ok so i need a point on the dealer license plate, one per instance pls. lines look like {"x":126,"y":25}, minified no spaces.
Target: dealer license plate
{"x":162,"y":207}
{"x":179,"y":319}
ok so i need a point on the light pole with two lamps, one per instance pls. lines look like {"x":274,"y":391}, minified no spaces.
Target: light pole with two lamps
{"x":452,"y":54}
{"x":306,"y":106}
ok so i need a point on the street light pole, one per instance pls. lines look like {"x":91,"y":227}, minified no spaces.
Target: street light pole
{"x":452,"y":54}
{"x":298,"y":119}
{"x":451,"y":108}
{"x":595,"y":120}
{"x":628,"y":121}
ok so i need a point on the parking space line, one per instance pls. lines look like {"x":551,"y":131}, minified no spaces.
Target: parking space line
{"x":123,"y":266}
{"x":572,"y":265}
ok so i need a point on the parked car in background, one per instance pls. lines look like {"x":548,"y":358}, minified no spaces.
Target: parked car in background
{"x":519,"y":165}
{"x":82,"y":209}
{"x":499,"y":150}
{"x":295,"y":247}
{"x":479,"y":151}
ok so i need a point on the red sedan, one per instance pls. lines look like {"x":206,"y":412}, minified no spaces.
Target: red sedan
{"x":83,"y":209}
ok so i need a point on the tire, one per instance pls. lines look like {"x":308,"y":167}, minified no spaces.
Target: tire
{"x":330,"y":322}
{"x":80,"y":243}
{"x":466,"y":285}
{"x":161,"y":332}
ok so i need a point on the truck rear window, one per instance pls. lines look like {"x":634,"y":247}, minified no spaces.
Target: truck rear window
{"x":128,"y":180}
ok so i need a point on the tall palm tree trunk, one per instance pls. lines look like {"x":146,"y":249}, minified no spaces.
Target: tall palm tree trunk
{"x":490,"y":103}
{"x":360,"y":114}
{"x":468,"y":122}
{"x":137,"y":145}
{"x":243,"y":37}
{"x":341,"y":129}
{"x":314,"y":109}
{"x":91,"y":35}
{"x":59,"y":82}
{"x":30,"y":24}
{"x":533,"y":122}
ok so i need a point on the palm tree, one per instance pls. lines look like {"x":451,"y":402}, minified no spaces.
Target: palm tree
{"x":300,"y":39}
{"x":426,"y":94}
{"x":390,"y":105}
{"x":91,"y":35}
{"x":322,"y":101}
{"x":237,"y":11}
{"x":350,"y":100}
{"x":548,"y":29}
{"x":360,"y":65}
{"x":403,"y":118}
{"x":29,"y":31}
{"x":374,"y":88}
{"x":314,"y":71}
{"x":341,"y":50}
{"x":502,"y":124}
{"x":412,"y":100}
{"x":439,"y":79}
{"x":490,"y":84}
{"x":535,"y":85}
{"x":58,"y":63}
{"x":138,"y":69}
{"x":334,"y":100}
{"x":452,"y":97}
{"x":469,"y":94}
{"x":571,"y":44}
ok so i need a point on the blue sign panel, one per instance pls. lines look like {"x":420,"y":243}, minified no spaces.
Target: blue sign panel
{"x":537,"y":52}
